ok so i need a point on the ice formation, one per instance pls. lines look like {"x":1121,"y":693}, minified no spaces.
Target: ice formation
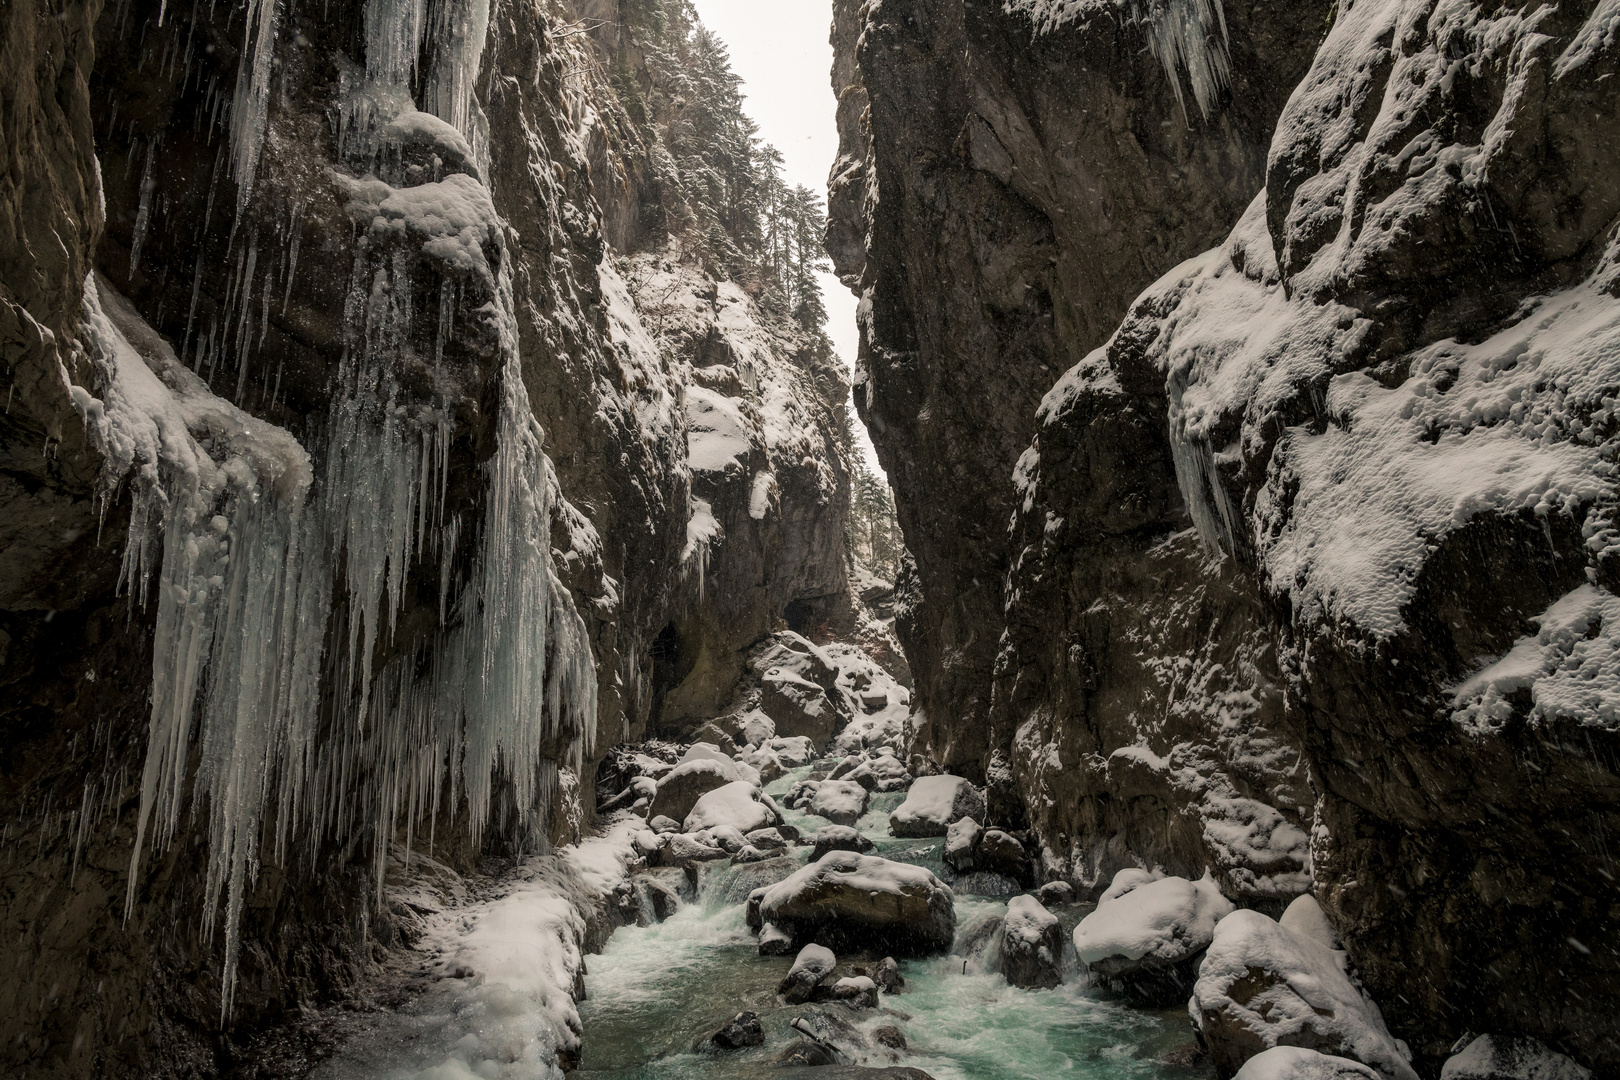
{"x":296,"y":737}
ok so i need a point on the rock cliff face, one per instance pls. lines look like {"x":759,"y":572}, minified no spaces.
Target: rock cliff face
{"x":397,"y":459}
{"x":1317,"y":543}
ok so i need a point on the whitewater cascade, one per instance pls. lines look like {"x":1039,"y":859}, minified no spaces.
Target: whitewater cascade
{"x":246,"y":536}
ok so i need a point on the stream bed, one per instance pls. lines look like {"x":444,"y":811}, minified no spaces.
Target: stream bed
{"x":657,"y":992}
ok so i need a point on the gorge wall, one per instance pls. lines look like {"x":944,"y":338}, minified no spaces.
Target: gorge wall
{"x":395,"y":424}
{"x":1295,"y":564}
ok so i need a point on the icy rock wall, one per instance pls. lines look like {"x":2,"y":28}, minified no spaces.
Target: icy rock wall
{"x":1310,"y":563}
{"x":347,"y":497}
{"x":1010,"y":175}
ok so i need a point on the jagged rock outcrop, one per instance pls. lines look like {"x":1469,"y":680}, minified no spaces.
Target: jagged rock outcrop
{"x":375,"y":442}
{"x":1319,"y":543}
{"x":1010,"y":176}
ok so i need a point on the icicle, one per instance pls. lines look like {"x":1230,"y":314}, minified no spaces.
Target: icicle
{"x":250,"y":106}
{"x":143,"y":212}
{"x":1182,"y":34}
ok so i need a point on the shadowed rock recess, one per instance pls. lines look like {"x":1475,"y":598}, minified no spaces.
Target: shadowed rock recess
{"x":1295,"y":563}
{"x":392,"y":428}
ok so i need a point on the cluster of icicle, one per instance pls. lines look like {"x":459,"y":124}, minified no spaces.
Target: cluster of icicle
{"x":246,"y":541}
{"x":1190,"y":36}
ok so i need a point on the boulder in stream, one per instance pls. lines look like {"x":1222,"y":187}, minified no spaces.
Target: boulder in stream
{"x":1056,"y":894}
{"x":740,"y":805}
{"x":767,"y":839}
{"x":684,"y":849}
{"x":839,"y":838}
{"x":863,"y":901}
{"x":1145,"y":940}
{"x":1031,"y":945}
{"x":741,"y":1031}
{"x":858,"y":992}
{"x":794,"y":751}
{"x":933,"y":804}
{"x":814,"y":963}
{"x":960,"y":840}
{"x":1261,"y":985}
{"x":841,"y":802}
{"x":1492,"y":1057}
{"x":689,"y":781}
{"x":1300,"y":1063}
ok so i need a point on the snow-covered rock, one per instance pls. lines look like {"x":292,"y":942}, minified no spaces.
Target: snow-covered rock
{"x":765,"y":762}
{"x":1055,"y":893}
{"x":689,"y":781}
{"x":1261,"y":985}
{"x":1300,"y":1063}
{"x":857,"y":991}
{"x":813,"y":964}
{"x":960,"y":840}
{"x":767,"y":839}
{"x":749,"y":854}
{"x":1031,"y":944}
{"x":739,"y":805}
{"x":684,"y":849}
{"x":1304,"y":918}
{"x":831,"y":838}
{"x":794,"y":751}
{"x":740,"y":1031}
{"x":798,"y":706}
{"x":933,"y":804}
{"x":841,"y":802}
{"x":1490,"y":1057}
{"x":1000,"y":853}
{"x":866,"y":901}
{"x":1145,"y":939}
{"x":756,"y":729}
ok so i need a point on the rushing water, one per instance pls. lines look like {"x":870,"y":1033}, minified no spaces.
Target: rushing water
{"x":656,"y":992}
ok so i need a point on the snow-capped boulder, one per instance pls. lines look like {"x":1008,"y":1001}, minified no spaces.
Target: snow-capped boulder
{"x":689,"y":781}
{"x":1261,"y":986}
{"x":798,"y":706}
{"x":1304,"y":918}
{"x":767,"y":839}
{"x":1056,"y":893}
{"x":887,"y":976}
{"x":933,"y":804}
{"x":798,"y":656}
{"x":1145,"y":940}
{"x":960,"y":840}
{"x":839,"y":801}
{"x":847,"y":765}
{"x":865,"y":901}
{"x":774,"y":941}
{"x":1300,"y":1063}
{"x":765,"y":762}
{"x":813,"y":964}
{"x":839,"y":838}
{"x":1031,"y":945}
{"x":1490,"y":1057}
{"x":663,"y":826}
{"x":888,"y":771}
{"x":858,"y":992}
{"x":756,"y":729}
{"x":1127,"y":879}
{"x":740,"y":805}
{"x":1000,"y":853}
{"x":712,"y":734}
{"x":728,"y":837}
{"x":684,"y":849}
{"x":749,"y":854}
{"x":793,"y":751}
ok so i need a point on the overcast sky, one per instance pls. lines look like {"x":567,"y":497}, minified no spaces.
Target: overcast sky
{"x":781,"y":51}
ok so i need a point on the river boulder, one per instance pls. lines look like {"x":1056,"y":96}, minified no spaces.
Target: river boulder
{"x":960,"y":840}
{"x":841,"y":802}
{"x":839,"y":838}
{"x":1300,"y":1063}
{"x":814,"y":963}
{"x":1261,"y":985}
{"x":864,"y":902}
{"x":1031,"y":945}
{"x":739,"y":805}
{"x":1492,"y":1057}
{"x":684,"y":785}
{"x":1144,"y":940}
{"x":741,"y":1031}
{"x":933,"y":804}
